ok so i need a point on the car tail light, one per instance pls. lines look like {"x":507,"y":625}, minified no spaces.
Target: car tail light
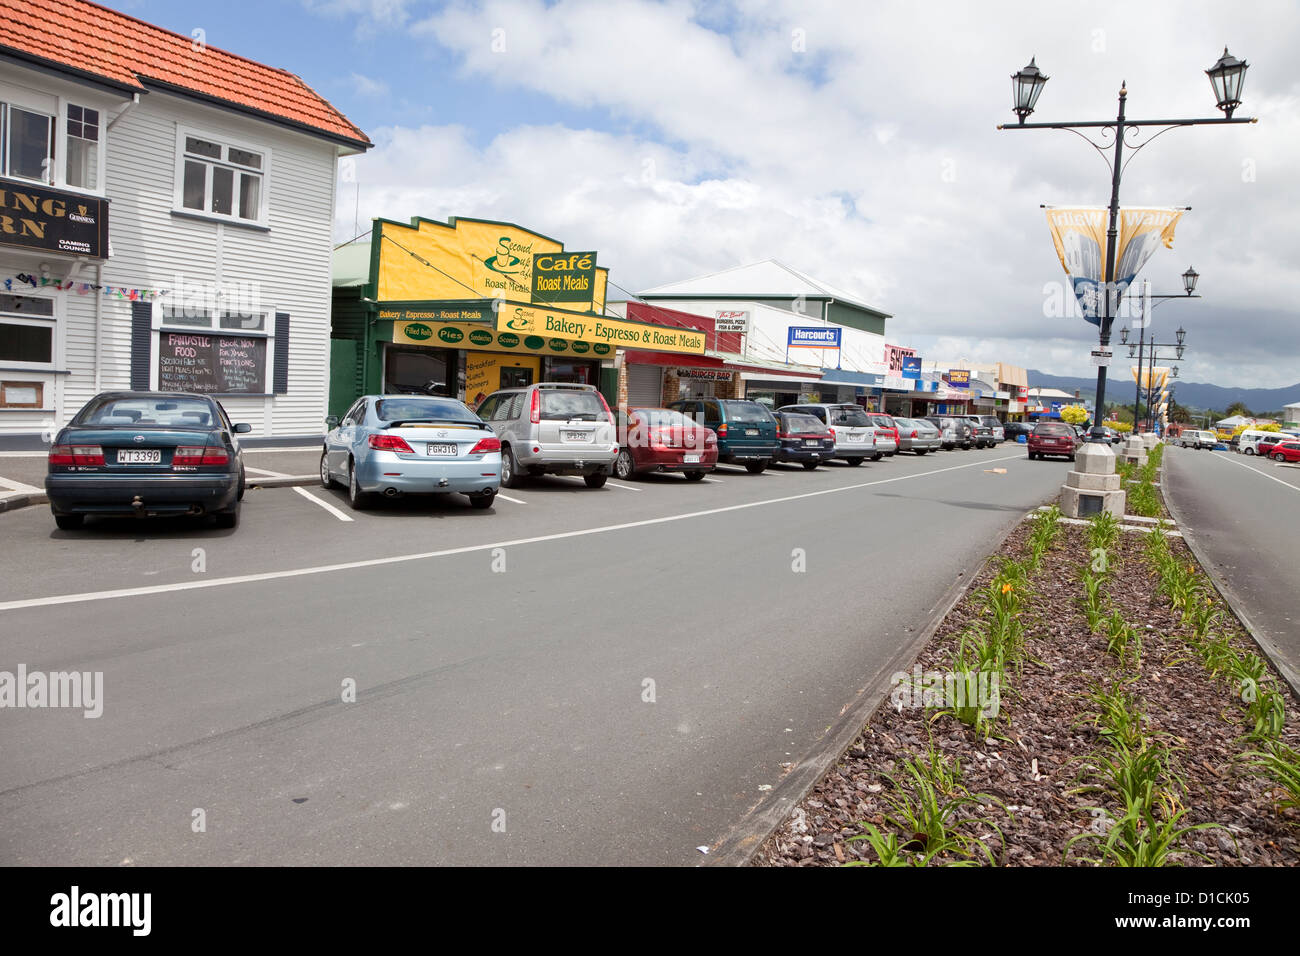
{"x":913,"y":435}
{"x":710,"y":438}
{"x":535,"y":407}
{"x":832,"y":434}
{"x":391,"y":443}
{"x":190,"y":455}
{"x":781,"y":434}
{"x":722,"y":429}
{"x":76,"y":455}
{"x":486,"y":445}
{"x":608,"y":414}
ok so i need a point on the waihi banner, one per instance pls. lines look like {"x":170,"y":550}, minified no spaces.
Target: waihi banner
{"x":1079,"y":234}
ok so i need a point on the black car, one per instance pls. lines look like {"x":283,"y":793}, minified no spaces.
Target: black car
{"x":1014,"y":430}
{"x":147,"y":454}
{"x":803,"y":439}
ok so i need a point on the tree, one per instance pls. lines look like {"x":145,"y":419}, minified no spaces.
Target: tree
{"x":1074,"y":414}
{"x":1238,"y":408}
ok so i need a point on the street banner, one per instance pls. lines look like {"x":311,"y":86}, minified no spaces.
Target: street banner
{"x":1079,"y":234}
{"x":1147,"y":379}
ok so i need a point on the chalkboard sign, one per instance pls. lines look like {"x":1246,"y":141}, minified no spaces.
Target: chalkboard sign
{"x":211,"y":363}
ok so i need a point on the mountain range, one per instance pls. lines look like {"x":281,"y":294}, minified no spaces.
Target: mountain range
{"x":1195,"y":395}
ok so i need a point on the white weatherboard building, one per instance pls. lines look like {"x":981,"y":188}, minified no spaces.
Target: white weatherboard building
{"x":166,"y":215}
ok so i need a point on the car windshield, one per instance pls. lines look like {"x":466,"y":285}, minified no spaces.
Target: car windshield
{"x":746,"y":413}
{"x":141,"y":412}
{"x":1053,"y":430}
{"x":442,"y":410}
{"x":854,"y":417}
{"x":804,"y":425}
{"x":562,"y":405}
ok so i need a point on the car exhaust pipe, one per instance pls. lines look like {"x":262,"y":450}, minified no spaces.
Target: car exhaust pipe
{"x":442,"y":482}
{"x":391,"y":492}
{"x":137,"y":505}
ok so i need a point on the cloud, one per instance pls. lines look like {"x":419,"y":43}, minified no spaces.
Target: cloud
{"x":878,"y":168}
{"x":365,"y":86}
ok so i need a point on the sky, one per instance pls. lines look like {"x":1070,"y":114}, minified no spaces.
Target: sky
{"x":856,"y":142}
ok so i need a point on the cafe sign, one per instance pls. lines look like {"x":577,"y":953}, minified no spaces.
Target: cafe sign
{"x":597,"y":330}
{"x":458,"y":335}
{"x":564,"y":276}
{"x":50,"y":220}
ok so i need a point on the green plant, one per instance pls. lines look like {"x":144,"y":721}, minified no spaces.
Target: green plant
{"x":1267,"y":714}
{"x":1103,"y":531}
{"x":979,"y":664}
{"x":888,"y":850}
{"x":1143,"y":500}
{"x":1094,"y":602}
{"x":1280,"y":766}
{"x":1122,"y":640}
{"x":1218,"y":655}
{"x":934,"y":819}
{"x":1118,"y":714}
{"x":1144,"y":836}
{"x":1204,"y":614}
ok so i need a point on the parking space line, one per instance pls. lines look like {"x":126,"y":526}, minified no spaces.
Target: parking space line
{"x":8,"y":484}
{"x":716,"y":481}
{"x":1227,"y":456}
{"x":86,"y":596}
{"x":612,"y":484}
{"x":266,"y":474}
{"x":517,"y":501}
{"x":324,"y":504}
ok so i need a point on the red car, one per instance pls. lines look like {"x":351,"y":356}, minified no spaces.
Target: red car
{"x":1286,"y":451}
{"x":660,"y":439}
{"x":1053,"y":438}
{"x":886,"y":423}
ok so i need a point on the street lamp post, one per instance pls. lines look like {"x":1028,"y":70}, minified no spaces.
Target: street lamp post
{"x":1190,"y":278}
{"x":1150,"y":372}
{"x":1227,"y":78}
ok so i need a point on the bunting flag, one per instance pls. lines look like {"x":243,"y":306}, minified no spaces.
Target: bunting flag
{"x":23,"y":281}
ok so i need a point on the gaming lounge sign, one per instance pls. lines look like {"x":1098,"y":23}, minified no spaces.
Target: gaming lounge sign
{"x":51,"y":220}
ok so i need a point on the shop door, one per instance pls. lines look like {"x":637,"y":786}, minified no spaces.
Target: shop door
{"x":515,"y":377}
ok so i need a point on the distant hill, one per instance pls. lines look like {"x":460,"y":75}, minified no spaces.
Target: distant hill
{"x":1190,"y":394}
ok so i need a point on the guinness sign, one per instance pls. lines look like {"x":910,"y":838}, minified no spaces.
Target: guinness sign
{"x":36,"y":217}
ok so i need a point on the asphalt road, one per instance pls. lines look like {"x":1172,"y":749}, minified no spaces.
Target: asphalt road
{"x":500,"y":661}
{"x":1243,"y":512}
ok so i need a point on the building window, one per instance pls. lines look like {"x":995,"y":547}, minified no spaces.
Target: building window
{"x":22,"y":394}
{"x":221,"y":180}
{"x":82,"y":147}
{"x":214,"y":319}
{"x":26,"y":144}
{"x":26,"y":331}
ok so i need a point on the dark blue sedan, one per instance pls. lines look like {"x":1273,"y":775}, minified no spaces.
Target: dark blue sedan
{"x":804,"y":439}
{"x":147,"y":454}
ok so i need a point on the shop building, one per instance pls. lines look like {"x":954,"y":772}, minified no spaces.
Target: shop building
{"x":466,"y":307}
{"x":166,"y":222}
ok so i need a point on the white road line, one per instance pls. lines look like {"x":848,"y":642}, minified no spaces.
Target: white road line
{"x":468,"y":549}
{"x":324,"y":504}
{"x":716,"y":481}
{"x":18,"y":487}
{"x":272,"y":451}
{"x":265,"y":473}
{"x":24,"y":454}
{"x":1228,"y":457}
{"x":517,"y":501}
{"x":612,"y":484}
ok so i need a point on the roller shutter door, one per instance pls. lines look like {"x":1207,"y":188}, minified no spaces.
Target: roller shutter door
{"x":645,"y":385}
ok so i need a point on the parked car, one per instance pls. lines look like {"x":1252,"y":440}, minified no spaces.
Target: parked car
{"x":995,"y":426}
{"x":1260,"y":443}
{"x":1053,"y":438}
{"x":918,"y":436}
{"x":408,"y":444}
{"x":887,"y":424}
{"x":1013,"y":430}
{"x":856,"y":439}
{"x":147,"y":454}
{"x":956,"y":431}
{"x":1285,"y":451}
{"x":1191,"y":438}
{"x":981,"y":431}
{"x":552,"y":428}
{"x":745,"y":430}
{"x":804,"y":439}
{"x":663,"y":440}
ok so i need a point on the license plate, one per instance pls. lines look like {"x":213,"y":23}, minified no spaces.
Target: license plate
{"x":813,"y":442}
{"x":854,"y":436}
{"x":575,"y":436}
{"x":751,"y":431}
{"x":139,"y":456}
{"x":442,"y":448}
{"x":691,"y":459}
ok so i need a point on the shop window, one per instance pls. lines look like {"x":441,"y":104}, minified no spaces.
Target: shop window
{"x":577,"y":373}
{"x":26,"y":144}
{"x":420,"y":371}
{"x":214,"y":319}
{"x":26,"y":330}
{"x":219,"y":179}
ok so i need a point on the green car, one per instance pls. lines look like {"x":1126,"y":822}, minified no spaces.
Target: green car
{"x":746,"y":430}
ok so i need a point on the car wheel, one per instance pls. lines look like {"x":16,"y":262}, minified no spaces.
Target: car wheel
{"x":854,"y":462}
{"x":695,"y":476}
{"x":1071,"y":458}
{"x":624,"y":467}
{"x":1279,"y":457}
{"x":239,"y":495}
{"x":1250,"y":451}
{"x":326,"y":479}
{"x":69,"y":522}
{"x":509,"y":468}
{"x":228,"y":519}
{"x":357,"y":498}
{"x":921,"y":451}
{"x":483,"y":500}
{"x":1032,"y":456}
{"x":756,"y":467}
{"x":809,"y":466}
{"x":877,"y":456}
{"x":596,"y":481}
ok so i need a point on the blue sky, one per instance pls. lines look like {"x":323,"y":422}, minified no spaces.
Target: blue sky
{"x":853,"y":141}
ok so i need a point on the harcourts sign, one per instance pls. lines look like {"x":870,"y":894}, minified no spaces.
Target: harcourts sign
{"x":821,"y":337}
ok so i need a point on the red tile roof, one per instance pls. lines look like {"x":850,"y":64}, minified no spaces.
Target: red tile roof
{"x":88,"y":38}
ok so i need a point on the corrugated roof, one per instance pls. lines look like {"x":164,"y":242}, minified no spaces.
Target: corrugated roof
{"x":86,"y":38}
{"x":768,"y":279}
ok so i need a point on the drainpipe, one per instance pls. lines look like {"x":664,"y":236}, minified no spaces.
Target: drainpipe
{"x":131,"y":104}
{"x":99,"y":320}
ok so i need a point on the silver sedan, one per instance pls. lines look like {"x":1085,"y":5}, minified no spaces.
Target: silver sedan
{"x":917,"y":435}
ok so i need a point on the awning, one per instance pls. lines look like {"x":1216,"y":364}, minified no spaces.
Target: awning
{"x":776,"y":377}
{"x":639,"y":357}
{"x":839,"y":376}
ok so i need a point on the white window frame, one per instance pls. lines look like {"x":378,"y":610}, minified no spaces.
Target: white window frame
{"x":52,"y":322}
{"x":214,"y":326}
{"x":56,"y":106}
{"x":178,"y":192}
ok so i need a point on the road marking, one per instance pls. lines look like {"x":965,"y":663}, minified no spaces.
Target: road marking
{"x":517,"y":501}
{"x":610,"y":482}
{"x":468,"y":549}
{"x":268,"y":474}
{"x":19,"y":487}
{"x":1226,"y":457}
{"x":324,"y":504}
{"x":716,"y":481}
{"x":272,"y":451}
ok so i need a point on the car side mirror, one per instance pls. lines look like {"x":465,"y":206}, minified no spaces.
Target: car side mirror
{"x":332,"y":421}
{"x":243,"y":428}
